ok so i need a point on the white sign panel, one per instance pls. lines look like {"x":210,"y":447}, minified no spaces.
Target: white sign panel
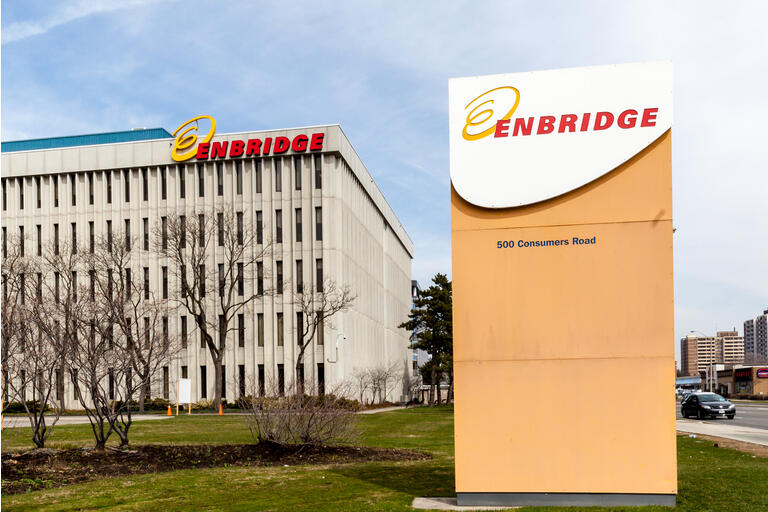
{"x":521,"y":138}
{"x":185,"y":391}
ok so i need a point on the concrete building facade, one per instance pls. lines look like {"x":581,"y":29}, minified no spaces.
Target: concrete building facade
{"x":327,"y":218}
{"x":756,"y":338}
{"x":698,"y":353}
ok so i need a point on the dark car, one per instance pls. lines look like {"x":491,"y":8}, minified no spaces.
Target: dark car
{"x":707,"y":405}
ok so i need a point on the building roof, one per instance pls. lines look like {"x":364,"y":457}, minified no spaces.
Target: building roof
{"x":138,"y":134}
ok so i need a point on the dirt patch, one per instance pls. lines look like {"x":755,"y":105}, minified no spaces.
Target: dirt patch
{"x":742,"y":446}
{"x":42,"y":469}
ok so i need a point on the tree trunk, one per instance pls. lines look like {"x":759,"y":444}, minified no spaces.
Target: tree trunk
{"x":217,"y":382}
{"x":432,"y":380}
{"x":439,"y":390}
{"x":299,"y":378}
{"x":142,"y":397}
{"x":449,"y":398}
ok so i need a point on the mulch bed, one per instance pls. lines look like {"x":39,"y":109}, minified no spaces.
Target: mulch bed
{"x":46,"y":468}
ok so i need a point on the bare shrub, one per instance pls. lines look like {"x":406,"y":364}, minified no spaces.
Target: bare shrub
{"x":300,"y":419}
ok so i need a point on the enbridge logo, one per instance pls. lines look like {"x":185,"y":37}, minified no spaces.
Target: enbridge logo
{"x":491,"y":113}
{"x":186,"y":145}
{"x":188,"y":138}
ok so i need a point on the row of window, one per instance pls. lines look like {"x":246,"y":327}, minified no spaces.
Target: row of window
{"x":239,"y":277}
{"x":164,"y":231}
{"x":200,"y":171}
{"x":241,"y":381}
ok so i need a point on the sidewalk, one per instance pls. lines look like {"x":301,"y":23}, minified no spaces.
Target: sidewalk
{"x":23,"y":421}
{"x":737,"y":433}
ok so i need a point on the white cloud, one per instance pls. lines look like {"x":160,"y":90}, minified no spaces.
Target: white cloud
{"x":66,"y":13}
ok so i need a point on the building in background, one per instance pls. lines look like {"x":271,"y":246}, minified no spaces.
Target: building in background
{"x":699,"y":353}
{"x":756,"y":338}
{"x":322,"y":210}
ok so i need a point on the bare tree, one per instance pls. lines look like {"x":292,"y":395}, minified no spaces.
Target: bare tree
{"x":125,"y":300}
{"x":217,"y":258}
{"x":316,"y":306}
{"x":362,"y":383}
{"x":31,"y":364}
{"x":381,"y":377}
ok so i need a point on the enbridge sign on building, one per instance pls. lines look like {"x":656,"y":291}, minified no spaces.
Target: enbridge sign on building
{"x":562,"y":265}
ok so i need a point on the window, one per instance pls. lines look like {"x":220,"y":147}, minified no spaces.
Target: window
{"x":20,"y":182}
{"x":144,"y":184}
{"x":240,"y":330}
{"x":164,"y":232}
{"x":73,"y":181}
{"x":260,"y":329}
{"x":184,"y":372}
{"x":318,"y":223}
{"x":183,"y":333}
{"x":320,"y":328}
{"x":182,"y":181}
{"x":300,"y":374}
{"x":200,"y":180}
{"x":56,"y":280}
{"x":222,"y":281}
{"x":240,"y":279}
{"x":74,"y":286}
{"x":320,"y":379}
{"x":5,"y":242}
{"x":165,"y":282}
{"x":239,"y":217}
{"x":201,"y":229}
{"x":128,"y":282}
{"x":203,"y":382}
{"x":108,"y":178}
{"x":219,"y":179}
{"x":90,"y":188}
{"x":56,"y":192}
{"x":257,"y":165}
{"x":183,"y":231}
{"x":259,"y":228}
{"x":127,"y":234}
{"x":22,"y":287}
{"x":21,"y":241}
{"x":39,"y":240}
{"x":241,"y":379}
{"x":166,"y":383}
{"x":74,"y":238}
{"x":298,"y":225}
{"x":146,"y":282}
{"x":239,"y":176}
{"x":279,"y":329}
{"x":201,"y":270}
{"x":92,"y":279}
{"x":127,"y":184}
{"x":223,"y":381}
{"x":109,"y":235}
{"x":259,"y":277}
{"x":5,"y":196}
{"x":55,"y":239}
{"x":183,"y":281}
{"x":75,"y":386}
{"x":163,"y":184}
{"x":165,"y":332}
{"x":299,"y":328}
{"x":202,"y":340}
{"x":91,"y":237}
{"x":278,"y":226}
{"x":261,"y":380}
{"x":220,"y":228}
{"x":297,"y":171}
{"x":279,"y":279}
{"x":281,"y":379}
{"x":278,"y":175}
{"x":59,"y":384}
{"x":38,"y":192}
{"x":319,"y":274}
{"x":299,"y":277}
{"x":145,"y":234}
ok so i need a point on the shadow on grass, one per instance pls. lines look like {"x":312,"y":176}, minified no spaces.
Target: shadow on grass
{"x":411,"y":478}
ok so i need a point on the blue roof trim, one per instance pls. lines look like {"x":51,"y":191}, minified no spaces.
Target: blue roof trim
{"x":86,"y":140}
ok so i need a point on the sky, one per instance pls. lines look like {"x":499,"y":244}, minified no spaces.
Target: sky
{"x":381,"y":70}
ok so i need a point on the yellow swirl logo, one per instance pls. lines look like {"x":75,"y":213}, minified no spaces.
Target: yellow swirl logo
{"x":186,"y":139}
{"x":481,"y":120}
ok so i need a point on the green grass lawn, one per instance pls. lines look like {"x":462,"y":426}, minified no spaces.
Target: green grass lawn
{"x":709,"y":478}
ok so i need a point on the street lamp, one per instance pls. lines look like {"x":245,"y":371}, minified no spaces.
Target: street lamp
{"x":338,"y":337}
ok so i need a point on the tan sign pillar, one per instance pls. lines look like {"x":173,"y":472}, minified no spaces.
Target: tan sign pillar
{"x":563,"y":297}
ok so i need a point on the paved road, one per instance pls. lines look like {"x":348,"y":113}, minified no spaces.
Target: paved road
{"x":23,"y":421}
{"x":747,"y":415}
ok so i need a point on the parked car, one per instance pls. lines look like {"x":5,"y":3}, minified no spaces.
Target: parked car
{"x":707,"y":405}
